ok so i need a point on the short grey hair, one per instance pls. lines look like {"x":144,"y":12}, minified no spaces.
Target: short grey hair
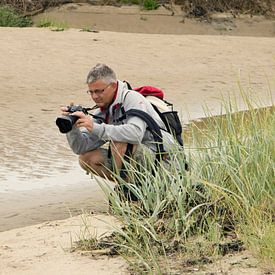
{"x":102,"y":72}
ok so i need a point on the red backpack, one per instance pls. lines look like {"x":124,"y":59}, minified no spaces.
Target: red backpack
{"x":167,"y":114}
{"x":150,"y":91}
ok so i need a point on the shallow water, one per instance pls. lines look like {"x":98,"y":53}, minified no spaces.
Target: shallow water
{"x":40,"y":178}
{"x":31,"y":148}
{"x":208,"y":125}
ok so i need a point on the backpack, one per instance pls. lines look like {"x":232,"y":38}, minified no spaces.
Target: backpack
{"x":164,"y":109}
{"x":171,"y":121}
{"x":168,"y":116}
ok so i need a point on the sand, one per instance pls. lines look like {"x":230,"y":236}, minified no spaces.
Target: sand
{"x":41,"y":70}
{"x":45,"y":249}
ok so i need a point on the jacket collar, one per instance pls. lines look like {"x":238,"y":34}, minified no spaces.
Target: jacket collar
{"x":119,"y":96}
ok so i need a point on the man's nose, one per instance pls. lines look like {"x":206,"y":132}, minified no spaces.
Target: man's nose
{"x":94,"y":96}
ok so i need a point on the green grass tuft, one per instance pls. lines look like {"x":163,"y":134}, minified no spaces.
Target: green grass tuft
{"x":224,"y":203}
{"x":55,"y":26}
{"x":150,"y":4}
{"x":10,"y":18}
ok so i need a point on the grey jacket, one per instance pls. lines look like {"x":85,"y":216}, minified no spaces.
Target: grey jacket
{"x":131,"y":130}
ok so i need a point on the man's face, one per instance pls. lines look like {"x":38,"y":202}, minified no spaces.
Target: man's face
{"x":102,"y":93}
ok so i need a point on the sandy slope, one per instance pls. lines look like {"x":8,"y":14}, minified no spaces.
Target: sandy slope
{"x":41,"y":70}
{"x":45,"y":249}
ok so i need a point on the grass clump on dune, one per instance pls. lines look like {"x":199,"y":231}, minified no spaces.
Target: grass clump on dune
{"x":224,"y":203}
{"x":52,"y":24}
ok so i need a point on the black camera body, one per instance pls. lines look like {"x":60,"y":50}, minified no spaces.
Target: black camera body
{"x":65,"y":123}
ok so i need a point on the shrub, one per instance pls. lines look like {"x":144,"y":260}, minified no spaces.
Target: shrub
{"x":10,"y":18}
{"x":198,"y":8}
{"x":28,"y":7}
{"x":195,"y":8}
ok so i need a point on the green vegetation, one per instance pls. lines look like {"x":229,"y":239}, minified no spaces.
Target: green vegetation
{"x":203,"y":8}
{"x":55,"y":26}
{"x":224,"y":203}
{"x":130,"y":2}
{"x":193,"y":8}
{"x":10,"y":18}
{"x":144,"y":4}
{"x":88,"y":29}
{"x":150,"y":4}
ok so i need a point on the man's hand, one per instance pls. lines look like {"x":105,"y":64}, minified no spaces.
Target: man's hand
{"x":64,"y":111}
{"x":84,"y":121}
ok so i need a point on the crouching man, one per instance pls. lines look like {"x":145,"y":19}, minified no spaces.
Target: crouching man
{"x":126,"y":135}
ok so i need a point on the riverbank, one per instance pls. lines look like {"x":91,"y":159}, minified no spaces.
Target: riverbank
{"x":164,"y":20}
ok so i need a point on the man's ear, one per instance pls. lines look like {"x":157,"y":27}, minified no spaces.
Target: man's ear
{"x":114,"y":85}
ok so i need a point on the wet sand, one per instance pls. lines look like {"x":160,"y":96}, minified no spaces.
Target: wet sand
{"x":22,"y":208}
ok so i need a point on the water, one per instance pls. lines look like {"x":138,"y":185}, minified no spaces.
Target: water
{"x":32,"y":151}
{"x":207,"y":126}
{"x":40,"y":178}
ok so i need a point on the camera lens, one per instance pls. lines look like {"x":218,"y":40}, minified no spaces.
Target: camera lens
{"x":65,"y":123}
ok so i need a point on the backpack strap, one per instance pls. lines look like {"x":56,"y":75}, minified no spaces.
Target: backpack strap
{"x":129,"y":87}
{"x":152,"y":127}
{"x":127,"y":156}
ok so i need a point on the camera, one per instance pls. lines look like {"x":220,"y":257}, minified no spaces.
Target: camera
{"x":65,"y":123}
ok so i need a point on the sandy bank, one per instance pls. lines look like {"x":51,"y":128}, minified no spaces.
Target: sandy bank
{"x":45,"y":249}
{"x":166,"y":19}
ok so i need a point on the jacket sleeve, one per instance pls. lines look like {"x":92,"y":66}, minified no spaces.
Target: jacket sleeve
{"x":82,"y":141}
{"x":131,"y":132}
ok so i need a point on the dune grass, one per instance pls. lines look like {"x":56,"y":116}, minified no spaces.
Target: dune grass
{"x":224,"y":203}
{"x":52,"y":24}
